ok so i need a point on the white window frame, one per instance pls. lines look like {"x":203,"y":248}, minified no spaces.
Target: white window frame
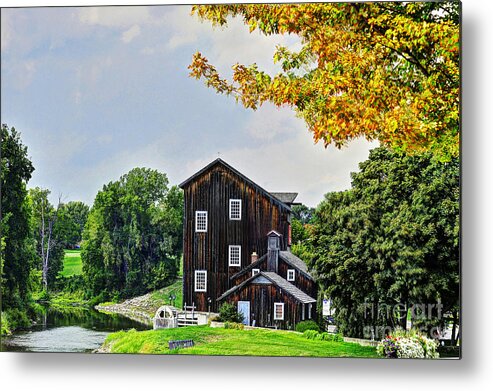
{"x":275,"y":311}
{"x":231,"y":217}
{"x":197,"y":273}
{"x":255,"y":271}
{"x":197,"y":214}
{"x":291,"y":272}
{"x":235,"y":262}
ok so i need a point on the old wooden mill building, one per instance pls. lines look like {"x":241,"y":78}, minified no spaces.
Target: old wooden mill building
{"x":236,"y":249}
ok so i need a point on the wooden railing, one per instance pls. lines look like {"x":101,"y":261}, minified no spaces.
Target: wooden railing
{"x":188,"y":316}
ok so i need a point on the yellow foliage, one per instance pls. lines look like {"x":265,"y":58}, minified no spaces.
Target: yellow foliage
{"x":359,"y":63}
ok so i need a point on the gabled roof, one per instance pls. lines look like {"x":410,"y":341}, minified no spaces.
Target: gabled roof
{"x":249,"y":267}
{"x":288,"y":287}
{"x":277,"y":280}
{"x":219,"y":161}
{"x":287,"y":198}
{"x":286,"y":256}
{"x":290,"y":258}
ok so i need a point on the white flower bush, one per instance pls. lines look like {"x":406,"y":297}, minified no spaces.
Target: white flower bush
{"x":407,"y":344}
{"x":409,"y":348}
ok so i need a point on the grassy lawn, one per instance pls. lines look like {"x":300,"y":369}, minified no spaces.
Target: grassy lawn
{"x":161,"y":296}
{"x":72,"y":264}
{"x":228,"y":342}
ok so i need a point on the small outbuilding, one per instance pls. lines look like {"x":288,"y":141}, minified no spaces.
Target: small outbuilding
{"x":268,"y":300}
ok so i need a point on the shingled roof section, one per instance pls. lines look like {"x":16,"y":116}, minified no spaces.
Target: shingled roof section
{"x":292,"y":259}
{"x":276,"y":279}
{"x":249,"y":267}
{"x":287,"y":198}
{"x":288,"y":287}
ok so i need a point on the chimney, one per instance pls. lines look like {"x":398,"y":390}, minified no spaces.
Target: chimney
{"x":273,"y":239}
{"x":254,"y":257}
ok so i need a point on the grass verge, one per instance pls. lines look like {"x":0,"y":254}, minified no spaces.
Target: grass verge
{"x":229,"y":342}
{"x":72,"y":263}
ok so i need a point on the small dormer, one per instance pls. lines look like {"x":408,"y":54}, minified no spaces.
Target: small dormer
{"x":273,"y":248}
{"x":274,"y":240}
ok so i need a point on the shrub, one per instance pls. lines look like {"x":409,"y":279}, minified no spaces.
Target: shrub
{"x":310,"y":334}
{"x":5,"y":326}
{"x":337,"y":338}
{"x":229,"y":313}
{"x":429,"y":346}
{"x":307,"y":325}
{"x":12,"y":319}
{"x":234,"y":325}
{"x":102,"y":297}
{"x":313,"y":334}
{"x":72,"y":284}
{"x":409,"y":348}
{"x":44,"y":295}
{"x":387,"y":347}
{"x":330,"y":337}
{"x":410,"y":344}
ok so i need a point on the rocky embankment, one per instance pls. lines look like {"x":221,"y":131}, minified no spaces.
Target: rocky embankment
{"x":141,"y":308}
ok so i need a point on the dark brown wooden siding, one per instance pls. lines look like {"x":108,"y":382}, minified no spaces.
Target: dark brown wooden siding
{"x":245,"y":276}
{"x":301,"y":281}
{"x":208,"y":251}
{"x":262,"y":298}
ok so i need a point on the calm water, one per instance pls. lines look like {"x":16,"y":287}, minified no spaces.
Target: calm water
{"x":76,"y":330}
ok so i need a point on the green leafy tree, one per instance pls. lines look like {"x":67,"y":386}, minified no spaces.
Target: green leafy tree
{"x":48,"y":233}
{"x":132,"y":238}
{"x":386,"y":71}
{"x":302,"y":213}
{"x":301,"y":221}
{"x":301,"y":217}
{"x":72,"y":218}
{"x":391,"y":242}
{"x":16,"y":249}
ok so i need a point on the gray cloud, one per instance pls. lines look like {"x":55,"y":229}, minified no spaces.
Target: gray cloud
{"x":92,"y":107}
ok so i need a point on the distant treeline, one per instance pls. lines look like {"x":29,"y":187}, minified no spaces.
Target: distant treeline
{"x":132,"y":242}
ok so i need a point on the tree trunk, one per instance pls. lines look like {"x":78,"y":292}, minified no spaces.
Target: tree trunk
{"x":46,"y":264}
{"x":46,"y":258}
{"x":43,"y":258}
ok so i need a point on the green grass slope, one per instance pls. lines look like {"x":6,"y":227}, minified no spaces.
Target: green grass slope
{"x":72,"y":263}
{"x":229,"y":342}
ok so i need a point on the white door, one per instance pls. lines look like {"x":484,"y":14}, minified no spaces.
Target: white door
{"x":244,"y":308}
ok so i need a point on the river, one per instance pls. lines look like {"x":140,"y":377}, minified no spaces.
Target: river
{"x":71,"y":330}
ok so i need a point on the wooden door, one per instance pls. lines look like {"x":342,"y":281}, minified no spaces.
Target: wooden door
{"x":244,"y":308}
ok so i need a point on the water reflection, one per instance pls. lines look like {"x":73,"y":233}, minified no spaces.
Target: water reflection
{"x":69,"y":330}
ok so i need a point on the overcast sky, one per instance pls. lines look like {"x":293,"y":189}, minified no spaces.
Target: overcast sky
{"x":96,"y":91}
